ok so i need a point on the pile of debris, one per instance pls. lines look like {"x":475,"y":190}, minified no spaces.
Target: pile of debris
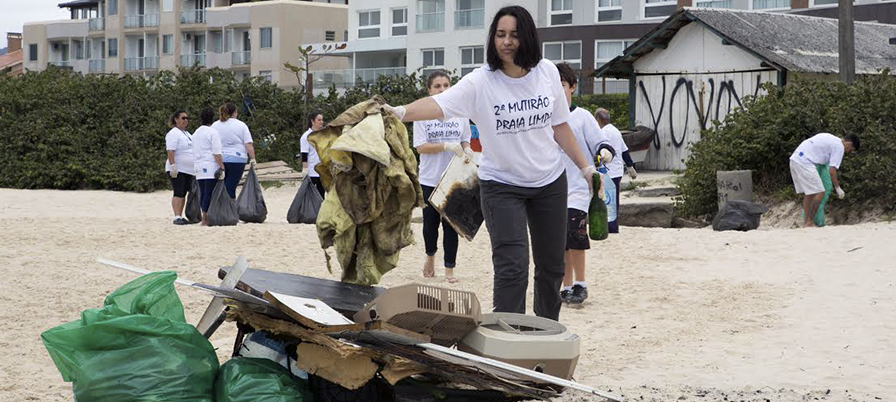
{"x":303,"y":336}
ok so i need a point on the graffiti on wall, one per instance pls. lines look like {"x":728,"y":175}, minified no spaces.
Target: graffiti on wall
{"x":718,"y":106}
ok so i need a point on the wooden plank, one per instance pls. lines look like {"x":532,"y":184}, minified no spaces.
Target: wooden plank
{"x":214,"y":314}
{"x":345,"y":298}
{"x":377,"y":332}
{"x":266,"y":165}
{"x":311,"y":313}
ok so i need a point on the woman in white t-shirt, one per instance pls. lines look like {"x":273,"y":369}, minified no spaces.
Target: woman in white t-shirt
{"x":179,"y":166}
{"x":310,"y":159}
{"x":437,"y":142}
{"x":236,"y":146}
{"x":520,"y":109}
{"x":207,"y":160}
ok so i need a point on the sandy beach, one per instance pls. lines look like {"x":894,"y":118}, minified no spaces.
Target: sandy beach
{"x":772,"y":314}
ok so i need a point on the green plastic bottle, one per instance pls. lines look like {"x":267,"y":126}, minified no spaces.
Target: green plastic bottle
{"x":597,"y":213}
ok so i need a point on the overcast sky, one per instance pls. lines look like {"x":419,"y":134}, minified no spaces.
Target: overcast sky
{"x":15,"y":13}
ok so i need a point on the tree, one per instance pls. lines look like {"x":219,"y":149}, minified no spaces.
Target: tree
{"x":308,"y":56}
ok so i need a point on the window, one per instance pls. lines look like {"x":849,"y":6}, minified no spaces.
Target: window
{"x":604,"y":51}
{"x":167,"y":6}
{"x":369,"y":24}
{"x":217,"y":42}
{"x":113,"y":7}
{"x":823,"y":2}
{"x":167,"y":44}
{"x":113,"y":47}
{"x":569,"y":52}
{"x":770,"y":4}
{"x":79,"y":50}
{"x":714,"y":4}
{"x":267,"y":75}
{"x":430,"y":15}
{"x":660,"y":8}
{"x":399,"y":21}
{"x":471,"y":58}
{"x":433,"y":59}
{"x":469,"y":14}
{"x":267,"y":38}
{"x":609,"y":10}
{"x":32,"y":52}
{"x":330,"y":36}
{"x":561,"y":12}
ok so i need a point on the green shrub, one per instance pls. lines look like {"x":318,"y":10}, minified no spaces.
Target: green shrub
{"x":617,"y":104}
{"x":762,"y":136}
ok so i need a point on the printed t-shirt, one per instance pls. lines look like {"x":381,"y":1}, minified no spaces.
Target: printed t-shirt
{"x":437,"y":132}
{"x":313,"y":158}
{"x":206,"y":144}
{"x":589,"y":136}
{"x":181,"y":143}
{"x":234,"y":137}
{"x":515,"y":118}
{"x":820,"y":149}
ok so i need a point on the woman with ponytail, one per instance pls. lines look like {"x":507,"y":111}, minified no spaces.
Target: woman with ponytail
{"x":236,"y":143}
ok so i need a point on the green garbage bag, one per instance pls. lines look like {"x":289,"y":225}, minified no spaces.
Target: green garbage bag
{"x":246,"y":379}
{"x":138,"y":347}
{"x":825,"y":172}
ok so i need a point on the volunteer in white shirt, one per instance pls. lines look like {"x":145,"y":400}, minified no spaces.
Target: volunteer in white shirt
{"x":310,"y":158}
{"x":179,"y":166}
{"x":437,"y":142}
{"x":207,"y":160}
{"x":618,"y":165}
{"x":519,"y":107}
{"x":591,"y":140}
{"x":812,"y":155}
{"x":236,"y":146}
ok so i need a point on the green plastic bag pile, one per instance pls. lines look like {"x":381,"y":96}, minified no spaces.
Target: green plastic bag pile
{"x":138,"y":347}
{"x":245,"y":379}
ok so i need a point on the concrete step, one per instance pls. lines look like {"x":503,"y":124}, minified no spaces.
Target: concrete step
{"x":641,"y":213}
{"x":656,"y":192}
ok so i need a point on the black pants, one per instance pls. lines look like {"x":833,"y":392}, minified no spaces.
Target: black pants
{"x":431,"y":221}
{"x":319,"y":185}
{"x":508,"y":212}
{"x":614,"y":225}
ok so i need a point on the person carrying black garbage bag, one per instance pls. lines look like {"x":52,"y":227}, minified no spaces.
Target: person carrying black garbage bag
{"x":208,"y":163}
{"x":310,"y":159}
{"x":520,"y":108}
{"x":236,"y":146}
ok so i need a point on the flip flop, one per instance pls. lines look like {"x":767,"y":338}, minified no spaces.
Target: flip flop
{"x":452,"y":279}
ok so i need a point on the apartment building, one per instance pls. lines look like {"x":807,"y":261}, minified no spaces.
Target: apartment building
{"x":403,"y":36}
{"x":146,"y":36}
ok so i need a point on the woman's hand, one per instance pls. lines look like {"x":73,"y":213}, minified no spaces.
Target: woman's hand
{"x":398,"y":112}
{"x":588,"y":173}
{"x":173,"y":170}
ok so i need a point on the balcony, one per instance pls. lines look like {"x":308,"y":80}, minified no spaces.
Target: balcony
{"x":140,"y":21}
{"x":141,"y":63}
{"x":241,"y":58}
{"x":431,"y":22}
{"x":190,"y":60}
{"x":469,"y":19}
{"x":715,"y":4}
{"x":62,"y":64}
{"x":192,"y":17}
{"x":350,"y":78}
{"x":97,"y":66}
{"x":96,"y":24}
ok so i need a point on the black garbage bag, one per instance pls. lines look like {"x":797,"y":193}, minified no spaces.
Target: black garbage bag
{"x":244,"y":379}
{"x":222,"y":210}
{"x":193,"y":212}
{"x":250,"y":202}
{"x":305,"y":206}
{"x":738,"y":215}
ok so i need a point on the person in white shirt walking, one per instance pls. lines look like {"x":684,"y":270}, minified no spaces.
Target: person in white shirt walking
{"x":438,"y":142}
{"x":208,"y":162}
{"x":591,"y":141}
{"x":520,"y":109}
{"x":618,"y":165}
{"x":179,"y":166}
{"x":236,"y":146}
{"x":310,"y":158}
{"x":811,"y":155}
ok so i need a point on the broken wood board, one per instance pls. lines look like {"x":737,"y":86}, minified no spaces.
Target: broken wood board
{"x":377,"y":331}
{"x":214,"y":313}
{"x":351,"y":372}
{"x":345,"y":298}
{"x":311,"y":313}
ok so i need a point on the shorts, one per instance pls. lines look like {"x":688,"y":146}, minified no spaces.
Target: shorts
{"x":805,"y":178}
{"x":577,"y":230}
{"x":182,"y":184}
